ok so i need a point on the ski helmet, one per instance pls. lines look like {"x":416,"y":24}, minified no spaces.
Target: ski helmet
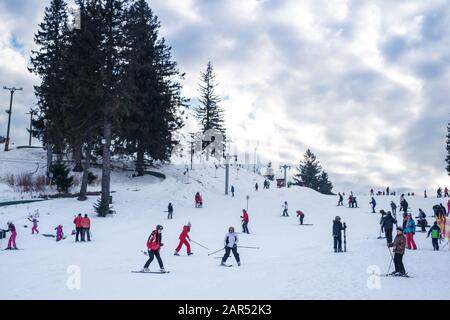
{"x":231,"y":229}
{"x":337,"y":218}
{"x":159,"y":227}
{"x":189,"y":224}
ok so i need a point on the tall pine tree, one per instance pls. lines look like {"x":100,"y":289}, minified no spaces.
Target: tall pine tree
{"x":209,"y":114}
{"x":47,"y":62}
{"x":153,"y":93}
{"x":311,"y":175}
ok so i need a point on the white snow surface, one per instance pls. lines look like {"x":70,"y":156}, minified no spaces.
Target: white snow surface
{"x":293,"y":262}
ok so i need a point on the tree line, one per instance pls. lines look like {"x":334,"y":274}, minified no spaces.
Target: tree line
{"x":110,"y":87}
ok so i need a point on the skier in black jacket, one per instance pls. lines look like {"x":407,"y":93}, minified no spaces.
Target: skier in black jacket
{"x":388,"y":225}
{"x":170,"y":211}
{"x":337,"y":234}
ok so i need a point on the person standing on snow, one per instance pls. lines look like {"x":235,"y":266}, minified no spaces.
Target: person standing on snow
{"x":337,"y":234}
{"x":78,"y":227}
{"x":422,"y":222}
{"x":410,"y":230}
{"x":388,"y":225}
{"x":404,"y":205}
{"x":232,"y":191}
{"x":394,"y":208}
{"x":285,"y":209}
{"x":184,"y":239}
{"x":12,"y":239}
{"x":350,"y":201}
{"x":443,"y":209}
{"x":35,"y":225}
{"x":387,"y":191}
{"x":374,"y":204}
{"x":86,"y":225}
{"x":59,"y":233}
{"x":170,"y":211}
{"x":245,"y":221}
{"x":439,"y":193}
{"x":446,"y":193}
{"x":425,"y":194}
{"x":256,"y":186}
{"x":231,"y":242}
{"x":341,"y":200}
{"x":154,"y":244}
{"x":354,"y":203}
{"x":371,"y":193}
{"x":300,"y":215}
{"x":399,"y":250}
{"x":435,"y":232}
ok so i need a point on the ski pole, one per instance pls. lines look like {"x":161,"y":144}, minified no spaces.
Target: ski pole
{"x":392,"y":259}
{"x":248,"y":247}
{"x":199,"y":244}
{"x":215,"y":252}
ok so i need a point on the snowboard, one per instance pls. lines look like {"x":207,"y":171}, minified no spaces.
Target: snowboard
{"x":151,"y":272}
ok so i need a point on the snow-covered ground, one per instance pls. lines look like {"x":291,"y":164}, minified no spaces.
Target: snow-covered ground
{"x":294,"y":262}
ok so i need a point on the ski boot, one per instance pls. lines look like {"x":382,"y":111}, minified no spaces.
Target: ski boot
{"x":162,"y":270}
{"x":223,"y":264}
{"x":145,"y":270}
{"x":176,"y":254}
{"x":190,"y":253}
{"x":394,"y":274}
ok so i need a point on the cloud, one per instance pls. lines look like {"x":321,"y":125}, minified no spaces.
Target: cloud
{"x":361,"y":83}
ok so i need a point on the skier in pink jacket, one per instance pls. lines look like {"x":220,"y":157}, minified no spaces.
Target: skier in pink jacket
{"x":12,"y":238}
{"x":59,"y":233}
{"x":35,"y":225}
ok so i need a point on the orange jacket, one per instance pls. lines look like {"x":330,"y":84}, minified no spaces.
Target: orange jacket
{"x":77,"y":221}
{"x":86,"y":222}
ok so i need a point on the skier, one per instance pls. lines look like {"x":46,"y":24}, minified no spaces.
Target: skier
{"x":425,"y":194}
{"x":439,"y":193}
{"x":154,"y":244}
{"x":198,"y":200}
{"x":443,"y":209}
{"x":394,"y":208}
{"x":256,"y":186}
{"x":12,"y":239}
{"x":374,"y":204}
{"x":59,"y":233}
{"x":399,"y":250}
{"x":232,"y":191}
{"x":341,"y":200}
{"x":86,"y":225}
{"x":404,"y":205}
{"x":184,"y":239}
{"x":35,"y":225}
{"x":301,"y":215}
{"x":285,"y":210}
{"x":350,"y":201}
{"x":410,"y":231}
{"x":383,"y":215}
{"x":388,"y":225}
{"x":231,"y":242}
{"x":337,"y":234}
{"x":354,"y":203}
{"x":446,"y":193}
{"x":245,"y":221}
{"x":387,"y":191}
{"x":435,"y":232}
{"x":170,"y":211}
{"x":78,"y":227}
{"x":372,"y":193}
{"x":422,"y":222}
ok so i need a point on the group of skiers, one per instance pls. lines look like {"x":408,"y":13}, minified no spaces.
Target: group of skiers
{"x":384,"y":193}
{"x":439,"y":192}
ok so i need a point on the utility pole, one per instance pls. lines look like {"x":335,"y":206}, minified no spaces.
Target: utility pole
{"x":192,"y":148}
{"x":227,"y":173}
{"x":285,"y":167}
{"x":12,"y":90}
{"x":31,"y":113}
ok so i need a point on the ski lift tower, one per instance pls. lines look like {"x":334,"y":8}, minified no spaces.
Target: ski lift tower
{"x":285,"y":167}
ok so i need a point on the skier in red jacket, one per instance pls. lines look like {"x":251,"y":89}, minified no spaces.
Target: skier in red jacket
{"x":77,"y":221}
{"x":184,"y":239}
{"x":245,"y":221}
{"x":154,"y":244}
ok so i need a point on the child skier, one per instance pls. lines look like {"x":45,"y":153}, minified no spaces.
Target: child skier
{"x":435,"y":232}
{"x":300,"y":215}
{"x":399,"y":250}
{"x":337,"y":234}
{"x":231,"y":242}
{"x":154,"y":244}
{"x":245,"y":221}
{"x":374,"y":204}
{"x":410,"y":231}
{"x":59,"y":233}
{"x":285,"y":209}
{"x":184,"y":239}
{"x":12,"y":239}
{"x":170,"y":211}
{"x":35,"y":225}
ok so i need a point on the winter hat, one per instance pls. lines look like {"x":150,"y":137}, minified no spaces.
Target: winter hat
{"x":400,"y":229}
{"x":189,"y":224}
{"x":159,"y":227}
{"x":337,"y":218}
{"x":231,"y":229}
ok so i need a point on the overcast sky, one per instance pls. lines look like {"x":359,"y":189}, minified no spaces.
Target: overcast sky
{"x":364,"y":84}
